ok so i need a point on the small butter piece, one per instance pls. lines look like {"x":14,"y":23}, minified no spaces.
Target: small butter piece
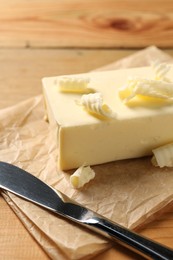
{"x":161,"y":69}
{"x":82,"y":176}
{"x":163,"y":156}
{"x":93,"y":103}
{"x":147,"y":87}
{"x":158,"y":87}
{"x":74,"y":85}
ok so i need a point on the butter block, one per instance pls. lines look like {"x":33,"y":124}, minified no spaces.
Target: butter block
{"x":84,"y":139}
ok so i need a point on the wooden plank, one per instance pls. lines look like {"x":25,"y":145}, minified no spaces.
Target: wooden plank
{"x":92,"y":23}
{"x":15,"y":242}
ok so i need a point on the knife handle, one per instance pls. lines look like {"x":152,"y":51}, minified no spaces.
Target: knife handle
{"x":139,"y":244}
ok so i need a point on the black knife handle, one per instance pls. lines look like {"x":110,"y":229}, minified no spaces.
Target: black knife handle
{"x":139,"y":244}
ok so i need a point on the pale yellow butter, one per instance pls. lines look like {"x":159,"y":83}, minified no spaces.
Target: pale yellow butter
{"x":81,"y":176}
{"x":83,"y":139}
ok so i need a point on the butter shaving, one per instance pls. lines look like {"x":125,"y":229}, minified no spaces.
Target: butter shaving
{"x":74,"y":85}
{"x":82,"y":176}
{"x":93,"y":103}
{"x":159,"y":87}
{"x":161,"y":69}
{"x":146,"y":87}
{"x":163,"y":156}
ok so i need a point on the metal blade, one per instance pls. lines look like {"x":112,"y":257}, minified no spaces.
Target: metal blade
{"x":27,"y":186}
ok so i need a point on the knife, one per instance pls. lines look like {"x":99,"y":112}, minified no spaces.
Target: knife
{"x":27,"y":186}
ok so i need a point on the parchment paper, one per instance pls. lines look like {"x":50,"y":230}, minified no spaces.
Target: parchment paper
{"x":129,"y":192}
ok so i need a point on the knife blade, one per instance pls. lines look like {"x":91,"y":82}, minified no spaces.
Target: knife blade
{"x":29,"y":187}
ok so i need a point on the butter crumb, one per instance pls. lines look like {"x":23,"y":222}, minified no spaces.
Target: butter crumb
{"x":74,"y":85}
{"x":159,"y":87}
{"x":81,"y":176}
{"x":93,"y":103}
{"x":163,"y":156}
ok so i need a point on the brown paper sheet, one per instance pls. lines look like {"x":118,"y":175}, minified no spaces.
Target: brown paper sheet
{"x":128,"y":192}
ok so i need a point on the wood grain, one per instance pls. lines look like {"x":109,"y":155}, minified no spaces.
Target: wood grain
{"x":21,"y":72}
{"x":80,"y":23}
{"x":15,"y":242}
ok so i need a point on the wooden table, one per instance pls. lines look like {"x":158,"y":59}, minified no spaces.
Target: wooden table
{"x":45,"y":38}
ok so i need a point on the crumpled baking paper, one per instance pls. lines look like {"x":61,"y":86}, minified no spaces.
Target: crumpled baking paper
{"x":128,"y":192}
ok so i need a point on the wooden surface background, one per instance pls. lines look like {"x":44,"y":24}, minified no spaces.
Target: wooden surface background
{"x":80,"y":23}
{"x":53,"y":37}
